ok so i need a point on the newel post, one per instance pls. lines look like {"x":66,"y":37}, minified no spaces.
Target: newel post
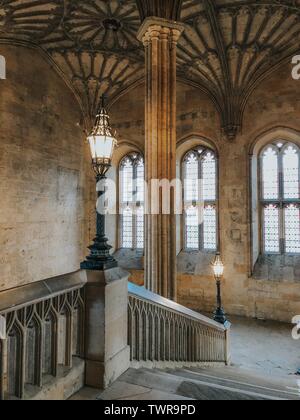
{"x":106,"y":349}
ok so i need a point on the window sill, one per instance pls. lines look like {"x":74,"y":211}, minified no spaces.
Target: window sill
{"x":195,"y":262}
{"x":130,"y":259}
{"x":277,"y":268}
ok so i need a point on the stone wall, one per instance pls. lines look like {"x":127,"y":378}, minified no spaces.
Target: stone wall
{"x":47,"y":212}
{"x":272,"y":109}
{"x":273,"y":104}
{"x":42,"y":172}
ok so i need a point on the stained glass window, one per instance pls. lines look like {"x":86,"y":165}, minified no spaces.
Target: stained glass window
{"x":280,"y":198}
{"x":270,"y":174}
{"x":192,"y":228}
{"x":127,"y":181}
{"x":127,"y":225}
{"x":210,"y":228}
{"x":192,"y":178}
{"x":292,"y":229}
{"x":209,"y":177}
{"x":200,"y":199}
{"x":291,"y":172}
{"x":132,"y":201}
{"x":271,"y":229}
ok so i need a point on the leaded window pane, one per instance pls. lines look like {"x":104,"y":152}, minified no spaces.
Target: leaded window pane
{"x":271,"y":229}
{"x":292,"y":229}
{"x":210,"y":228}
{"x":127,"y":181}
{"x":209,"y":177}
{"x":270,"y":175}
{"x":280,"y":196}
{"x":140,"y":228}
{"x":127,"y":226}
{"x":191,"y":178}
{"x":291,"y":172}
{"x":192,"y":228}
{"x":200,"y":195}
{"x":132,"y":201}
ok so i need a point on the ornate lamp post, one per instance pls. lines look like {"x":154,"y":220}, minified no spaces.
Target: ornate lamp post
{"x":218,"y":268}
{"x":102,"y":143}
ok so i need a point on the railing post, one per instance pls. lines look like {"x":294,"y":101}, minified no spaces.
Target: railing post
{"x":39,"y":356}
{"x":107,"y":353}
{"x":69,"y":339}
{"x":3,"y":369}
{"x":3,"y":358}
{"x":227,"y":346}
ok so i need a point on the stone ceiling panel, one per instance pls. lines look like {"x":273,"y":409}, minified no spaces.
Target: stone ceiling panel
{"x":93,"y":42}
{"x":227,"y":48}
{"x":30,"y":20}
{"x":94,"y":74}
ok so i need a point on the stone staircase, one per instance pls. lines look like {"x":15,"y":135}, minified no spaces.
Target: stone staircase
{"x":228,"y":383}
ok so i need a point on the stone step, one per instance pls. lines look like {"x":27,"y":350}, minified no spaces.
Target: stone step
{"x":198,"y":384}
{"x":232,"y":381}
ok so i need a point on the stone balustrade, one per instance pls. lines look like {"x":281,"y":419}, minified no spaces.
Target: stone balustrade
{"x":162,"y":333}
{"x":63,"y":333}
{"x":42,"y":331}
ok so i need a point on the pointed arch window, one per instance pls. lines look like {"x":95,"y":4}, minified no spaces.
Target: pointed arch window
{"x":200,"y":200}
{"x":280,"y":198}
{"x":131,"y":176}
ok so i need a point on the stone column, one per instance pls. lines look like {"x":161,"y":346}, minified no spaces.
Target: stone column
{"x":160,"y":38}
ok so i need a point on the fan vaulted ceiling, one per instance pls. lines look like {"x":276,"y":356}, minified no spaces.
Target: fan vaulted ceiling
{"x":228,"y":45}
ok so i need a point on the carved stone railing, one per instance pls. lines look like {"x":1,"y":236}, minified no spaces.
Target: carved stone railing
{"x":42,"y":330}
{"x":43,"y":335}
{"x":162,"y":333}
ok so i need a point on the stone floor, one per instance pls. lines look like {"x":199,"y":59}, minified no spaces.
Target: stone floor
{"x":265,"y":359}
{"x":264,"y":346}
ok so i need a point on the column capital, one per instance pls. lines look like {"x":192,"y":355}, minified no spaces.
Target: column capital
{"x":153,"y":26}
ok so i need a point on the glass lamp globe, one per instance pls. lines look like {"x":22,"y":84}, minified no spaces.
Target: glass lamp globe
{"x":102,"y":143}
{"x":218,"y":266}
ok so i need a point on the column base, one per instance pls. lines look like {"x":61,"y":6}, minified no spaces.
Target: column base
{"x":220,"y":316}
{"x":101,"y":375}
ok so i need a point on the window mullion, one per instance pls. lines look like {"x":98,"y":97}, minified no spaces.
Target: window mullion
{"x":298,"y":174}
{"x":281,"y":204}
{"x":122,"y":207}
{"x":200,"y":205}
{"x":134,"y":207}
